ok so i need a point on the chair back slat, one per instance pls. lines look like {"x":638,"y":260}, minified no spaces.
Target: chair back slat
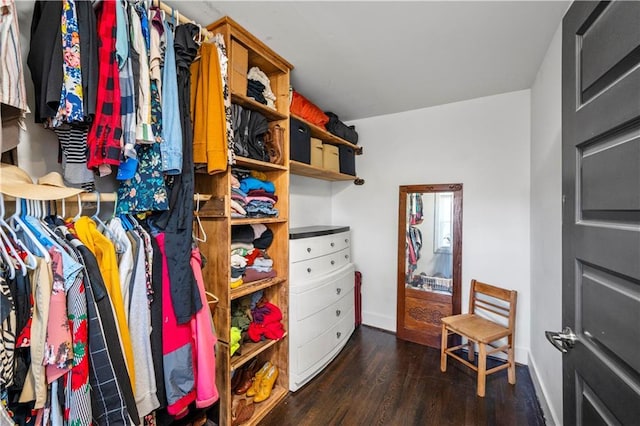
{"x":492,"y":307}
{"x":476,"y":303}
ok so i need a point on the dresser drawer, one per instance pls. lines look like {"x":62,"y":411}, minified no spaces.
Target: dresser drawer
{"x":311,"y":355}
{"x":315,"y":295}
{"x":319,"y":266}
{"x":308,"y":327}
{"x":309,"y":248}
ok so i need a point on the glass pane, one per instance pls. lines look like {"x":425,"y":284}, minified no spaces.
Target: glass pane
{"x":429,"y":242}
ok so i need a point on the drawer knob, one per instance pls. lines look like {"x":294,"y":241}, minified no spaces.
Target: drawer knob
{"x":338,"y":290}
{"x":333,"y":262}
{"x":338,"y":334}
{"x":333,"y":244}
{"x":346,"y":256}
{"x":308,"y":249}
{"x":338,"y":312}
{"x":309,"y":270}
{"x":346,"y":240}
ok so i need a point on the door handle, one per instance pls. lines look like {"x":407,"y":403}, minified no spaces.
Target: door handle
{"x":563,"y":341}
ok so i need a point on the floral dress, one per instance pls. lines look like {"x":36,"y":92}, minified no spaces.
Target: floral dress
{"x":146,"y":191}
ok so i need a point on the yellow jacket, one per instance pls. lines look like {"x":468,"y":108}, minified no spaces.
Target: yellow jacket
{"x":207,"y":111}
{"x":105,"y":254}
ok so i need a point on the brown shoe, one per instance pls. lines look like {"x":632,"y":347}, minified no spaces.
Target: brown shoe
{"x":246,"y":378}
{"x":243,"y":412}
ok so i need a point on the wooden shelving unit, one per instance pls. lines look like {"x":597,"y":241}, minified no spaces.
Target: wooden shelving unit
{"x":243,"y":100}
{"x":320,"y":133}
{"x":303,"y":169}
{"x":217,"y":272}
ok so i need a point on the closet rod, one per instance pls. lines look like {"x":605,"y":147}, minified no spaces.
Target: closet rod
{"x":181,"y":18}
{"x":110,"y":197}
{"x":107,"y":197}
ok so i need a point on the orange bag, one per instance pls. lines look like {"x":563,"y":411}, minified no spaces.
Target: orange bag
{"x":305,"y":109}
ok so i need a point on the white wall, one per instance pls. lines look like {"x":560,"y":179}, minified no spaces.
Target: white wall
{"x":546,"y":227}
{"x":309,"y":202}
{"x":482,"y":143}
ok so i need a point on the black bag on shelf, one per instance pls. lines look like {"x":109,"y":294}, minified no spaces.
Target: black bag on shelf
{"x":249,"y":128}
{"x":341,"y":130}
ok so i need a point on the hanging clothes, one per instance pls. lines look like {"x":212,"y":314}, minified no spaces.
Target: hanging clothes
{"x":177,"y":223}
{"x":70,"y":108}
{"x":112,"y":401}
{"x":13,"y":95}
{"x":223,"y":58}
{"x":179,"y":379}
{"x":35,"y":386}
{"x":43,"y":60}
{"x":208,"y":111}
{"x":204,"y":342}
{"x":104,"y":137}
{"x":146,"y":191}
{"x":105,"y":254}
{"x":171,"y":147}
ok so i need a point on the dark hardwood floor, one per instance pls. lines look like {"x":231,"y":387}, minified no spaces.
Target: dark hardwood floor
{"x":380,"y":380}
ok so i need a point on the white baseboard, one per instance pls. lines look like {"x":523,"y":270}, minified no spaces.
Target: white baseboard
{"x":550,"y":416}
{"x":379,"y":321}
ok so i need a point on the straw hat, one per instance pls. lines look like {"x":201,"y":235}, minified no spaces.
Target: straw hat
{"x":16,"y":182}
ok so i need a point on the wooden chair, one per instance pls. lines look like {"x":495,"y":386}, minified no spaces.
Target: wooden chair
{"x":490,"y":301}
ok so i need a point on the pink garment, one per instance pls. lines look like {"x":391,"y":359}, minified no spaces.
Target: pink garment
{"x":58,"y":350}
{"x":177,"y":349}
{"x":205,"y":342}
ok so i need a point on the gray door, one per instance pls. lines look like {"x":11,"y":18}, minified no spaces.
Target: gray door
{"x":601,"y":213}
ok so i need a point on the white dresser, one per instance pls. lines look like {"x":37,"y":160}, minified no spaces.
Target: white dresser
{"x":321,"y":299}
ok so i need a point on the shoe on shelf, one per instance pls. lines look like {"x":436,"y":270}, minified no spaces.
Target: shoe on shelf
{"x":237,"y":376}
{"x":267,"y":383}
{"x":246,"y":377}
{"x":242,"y":410}
{"x":255,"y":387}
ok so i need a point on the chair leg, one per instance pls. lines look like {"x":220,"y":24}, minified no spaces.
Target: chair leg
{"x":511,"y":370}
{"x":482,"y":368}
{"x":443,"y":348}
{"x":471,"y":350}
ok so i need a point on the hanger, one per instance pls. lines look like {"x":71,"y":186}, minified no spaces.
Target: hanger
{"x":13,"y":252}
{"x":77,"y":216}
{"x":8,"y":260}
{"x":17,"y":221}
{"x":200,"y":228}
{"x":102,"y":227}
{"x":12,"y":237}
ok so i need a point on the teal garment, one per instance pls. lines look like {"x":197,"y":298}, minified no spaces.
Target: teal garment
{"x":122,"y":36}
{"x":146,"y":191}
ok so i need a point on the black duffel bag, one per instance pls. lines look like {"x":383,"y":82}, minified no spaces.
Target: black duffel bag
{"x":341,"y":130}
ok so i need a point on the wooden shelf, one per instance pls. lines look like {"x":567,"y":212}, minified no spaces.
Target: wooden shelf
{"x":252,"y":349}
{"x":253,"y":286}
{"x":320,"y":133}
{"x":245,"y":52}
{"x":263,"y":408}
{"x":256,"y":220}
{"x":303,"y":169}
{"x":246,"y":102}
{"x":263,"y":166}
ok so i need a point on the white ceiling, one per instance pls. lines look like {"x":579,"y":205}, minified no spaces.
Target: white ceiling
{"x":362,"y":59}
{"x":366,"y":58}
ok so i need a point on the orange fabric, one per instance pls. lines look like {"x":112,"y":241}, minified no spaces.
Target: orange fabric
{"x":305,"y":109}
{"x":207,"y":110}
